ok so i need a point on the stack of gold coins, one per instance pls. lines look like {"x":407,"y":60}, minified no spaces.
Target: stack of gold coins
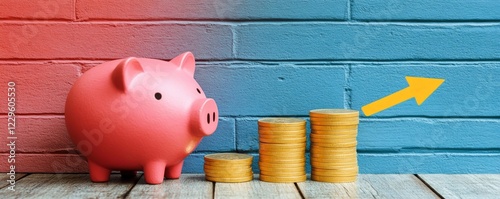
{"x":333,"y":145}
{"x":282,"y":149}
{"x":228,"y":167}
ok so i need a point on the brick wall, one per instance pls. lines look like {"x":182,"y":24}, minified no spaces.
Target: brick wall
{"x":271,"y":58}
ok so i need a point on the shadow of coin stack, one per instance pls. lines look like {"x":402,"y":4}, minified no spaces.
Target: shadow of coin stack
{"x":333,"y":145}
{"x":282,"y":149}
{"x":228,"y":167}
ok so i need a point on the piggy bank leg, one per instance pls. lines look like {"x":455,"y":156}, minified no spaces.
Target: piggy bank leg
{"x":153,"y":172}
{"x":174,"y":172}
{"x":98,"y":173}
{"x":128,"y":174}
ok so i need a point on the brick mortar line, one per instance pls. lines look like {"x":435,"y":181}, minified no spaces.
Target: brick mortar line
{"x":260,"y":22}
{"x":261,"y":62}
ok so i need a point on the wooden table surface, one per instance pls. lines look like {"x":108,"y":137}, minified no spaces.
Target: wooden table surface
{"x":195,"y":186}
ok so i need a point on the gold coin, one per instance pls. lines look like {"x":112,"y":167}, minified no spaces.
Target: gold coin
{"x":332,"y":161}
{"x":334,"y":179}
{"x":334,"y":123}
{"x":273,"y":159}
{"x":289,"y":158}
{"x":225,"y":165}
{"x":334,"y":134}
{"x":333,"y":137}
{"x":283,"y":146}
{"x":333,"y":140}
{"x":228,"y":175}
{"x":282,"y":153}
{"x":229,"y":158}
{"x":266,"y":178}
{"x":352,"y":127}
{"x":236,"y":179}
{"x":285,"y":169}
{"x":281,"y":122}
{"x":298,"y":132}
{"x":264,"y":156}
{"x":333,"y":165}
{"x":330,"y":158}
{"x":282,"y":173}
{"x":334,"y":120}
{"x":278,"y":136}
{"x":282,"y":140}
{"x":335,"y":161}
{"x":333,"y":145}
{"x":345,"y":169}
{"x":328,"y":150}
{"x":288,"y":134}
{"x":282,"y":165}
{"x":333,"y":113}
{"x":334,"y":172}
{"x":325,"y":164}
{"x":224,"y":170}
{"x":282,"y":128}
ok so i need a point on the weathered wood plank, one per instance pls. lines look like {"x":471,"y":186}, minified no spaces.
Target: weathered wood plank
{"x":188,"y":186}
{"x":68,"y":186}
{"x":369,"y":186}
{"x":4,"y":177}
{"x":465,"y":185}
{"x":256,"y":189}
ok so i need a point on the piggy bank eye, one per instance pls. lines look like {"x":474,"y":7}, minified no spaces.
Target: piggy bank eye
{"x":158,"y":96}
{"x":199,"y":91}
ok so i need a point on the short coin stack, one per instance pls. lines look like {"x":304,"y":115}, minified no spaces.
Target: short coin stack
{"x":333,"y":145}
{"x":228,"y":167}
{"x":282,"y":149}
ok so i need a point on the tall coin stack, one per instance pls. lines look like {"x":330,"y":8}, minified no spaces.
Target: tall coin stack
{"x":282,"y":149}
{"x":333,"y":145}
{"x":228,"y":167}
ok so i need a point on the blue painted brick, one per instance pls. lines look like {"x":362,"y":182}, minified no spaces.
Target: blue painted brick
{"x":436,"y":10}
{"x":468,"y":90}
{"x":223,"y":139}
{"x":193,"y":163}
{"x":284,"y":89}
{"x":218,"y":10}
{"x":338,"y":41}
{"x":420,"y":133}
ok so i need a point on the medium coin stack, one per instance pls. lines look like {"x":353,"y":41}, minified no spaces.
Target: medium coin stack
{"x":333,"y":145}
{"x":282,"y":149}
{"x":228,"y":167}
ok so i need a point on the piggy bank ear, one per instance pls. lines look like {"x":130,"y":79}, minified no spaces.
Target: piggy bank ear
{"x":125,"y":72}
{"x":185,"y":61}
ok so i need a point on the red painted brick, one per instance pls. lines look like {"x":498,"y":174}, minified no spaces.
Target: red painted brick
{"x":212,"y":10}
{"x":45,"y":163}
{"x":38,"y":134}
{"x":40,"y":87}
{"x":113,"y":40}
{"x":40,"y":9}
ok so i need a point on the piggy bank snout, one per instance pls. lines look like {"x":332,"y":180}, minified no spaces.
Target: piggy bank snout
{"x":206,"y":117}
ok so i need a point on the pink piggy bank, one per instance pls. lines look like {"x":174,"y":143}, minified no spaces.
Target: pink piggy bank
{"x":139,"y":114}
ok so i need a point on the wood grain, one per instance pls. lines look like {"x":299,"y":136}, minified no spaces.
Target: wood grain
{"x":68,"y":186}
{"x":369,"y":186}
{"x":4,"y":177}
{"x":465,"y":185}
{"x":256,"y":189}
{"x":188,"y":186}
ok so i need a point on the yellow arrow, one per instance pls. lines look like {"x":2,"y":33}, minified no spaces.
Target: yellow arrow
{"x":419,"y":88}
